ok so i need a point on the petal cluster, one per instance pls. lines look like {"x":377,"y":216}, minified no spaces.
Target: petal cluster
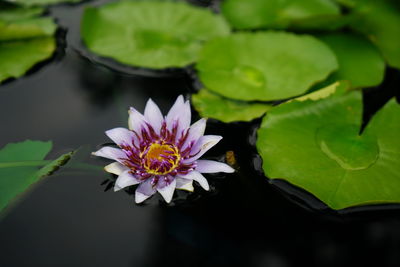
{"x":161,"y":153}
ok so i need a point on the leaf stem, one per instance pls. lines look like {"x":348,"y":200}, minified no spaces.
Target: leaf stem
{"x":39,"y":163}
{"x":31,"y":163}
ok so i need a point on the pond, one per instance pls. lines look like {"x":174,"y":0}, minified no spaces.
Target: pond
{"x":73,"y":218}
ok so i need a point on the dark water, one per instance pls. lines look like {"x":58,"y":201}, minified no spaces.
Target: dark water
{"x":68,"y":219}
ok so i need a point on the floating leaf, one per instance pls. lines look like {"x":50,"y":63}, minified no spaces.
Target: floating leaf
{"x":19,"y":56}
{"x":264,"y":66}
{"x":24,"y":40}
{"x":152,"y":34}
{"x":211,"y":105}
{"x":26,"y":29}
{"x":360,"y":62}
{"x":9,"y":12}
{"x":29,"y":3}
{"x":278,"y":14}
{"x":316,"y":145}
{"x":334,"y":88}
{"x":19,"y":167}
{"x":380,"y":21}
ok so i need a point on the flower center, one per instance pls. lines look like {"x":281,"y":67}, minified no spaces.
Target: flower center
{"x":161,"y":159}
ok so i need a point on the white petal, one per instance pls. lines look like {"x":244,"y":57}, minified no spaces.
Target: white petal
{"x":202,"y":146}
{"x":175,"y":111}
{"x":146,"y":187}
{"x":167,"y":192}
{"x":121,"y":136}
{"x":125,"y":179}
{"x":110,"y":153}
{"x":153,"y":115}
{"x":196,"y":176}
{"x":211,"y":166}
{"x":136,"y":120}
{"x":196,"y":131}
{"x":185,"y":117}
{"x":115,"y":168}
{"x":144,"y":191}
{"x":184,"y":184}
{"x":139,"y":197}
{"x":180,"y":112}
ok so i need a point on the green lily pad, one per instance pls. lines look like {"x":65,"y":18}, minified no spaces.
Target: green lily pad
{"x":210,"y":105}
{"x":24,"y":41}
{"x":30,"y":3}
{"x":152,"y":34}
{"x":264,"y":66}
{"x":316,"y":145}
{"x":26,"y":29}
{"x":380,"y":21}
{"x":19,"y":56}
{"x":360,"y":62}
{"x":278,"y":14}
{"x":19,"y":167}
{"x":9,"y":12}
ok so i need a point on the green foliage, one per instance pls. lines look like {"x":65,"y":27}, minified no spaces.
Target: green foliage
{"x":24,"y":40}
{"x":264,"y":66}
{"x":11,"y":13}
{"x":211,"y":105}
{"x":26,"y":29}
{"x":280,"y":14}
{"x":379,"y":21}
{"x":316,"y":145}
{"x":153,"y":34}
{"x":30,"y":3}
{"x":19,"y":167}
{"x":360,"y":62}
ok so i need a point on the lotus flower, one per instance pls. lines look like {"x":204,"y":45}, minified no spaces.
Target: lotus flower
{"x":161,"y":153}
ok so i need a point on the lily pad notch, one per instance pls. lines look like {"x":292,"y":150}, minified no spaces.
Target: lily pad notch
{"x":316,"y":145}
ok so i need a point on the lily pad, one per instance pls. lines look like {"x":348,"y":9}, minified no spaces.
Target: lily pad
{"x":380,"y":21}
{"x":26,"y":29}
{"x":10,"y":12}
{"x":152,"y":34}
{"x":30,"y":3}
{"x":317,"y":146}
{"x":278,"y":14}
{"x":211,"y":105}
{"x":264,"y":66}
{"x":24,"y":41}
{"x":19,"y":167}
{"x":360,"y":62}
{"x":19,"y":56}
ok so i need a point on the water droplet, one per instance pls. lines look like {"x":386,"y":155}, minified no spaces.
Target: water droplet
{"x":250,"y":75}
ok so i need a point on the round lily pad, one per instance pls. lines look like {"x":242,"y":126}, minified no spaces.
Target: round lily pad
{"x":380,"y":21}
{"x":10,"y":12}
{"x":25,"y":40}
{"x":19,"y":56}
{"x":277,"y":14}
{"x":360,"y":62}
{"x":26,"y":29}
{"x":211,"y":105}
{"x":152,"y":34}
{"x":30,"y":3}
{"x":264,"y":66}
{"x":317,"y":146}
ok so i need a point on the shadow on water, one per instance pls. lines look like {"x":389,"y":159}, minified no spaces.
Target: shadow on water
{"x":244,"y":220}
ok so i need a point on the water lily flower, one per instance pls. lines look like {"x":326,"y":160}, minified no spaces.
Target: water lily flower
{"x":161,"y":154}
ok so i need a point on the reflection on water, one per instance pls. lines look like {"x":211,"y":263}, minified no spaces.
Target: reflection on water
{"x":243,"y":221}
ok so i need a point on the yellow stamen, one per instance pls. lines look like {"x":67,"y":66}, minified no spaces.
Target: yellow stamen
{"x":161,"y":153}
